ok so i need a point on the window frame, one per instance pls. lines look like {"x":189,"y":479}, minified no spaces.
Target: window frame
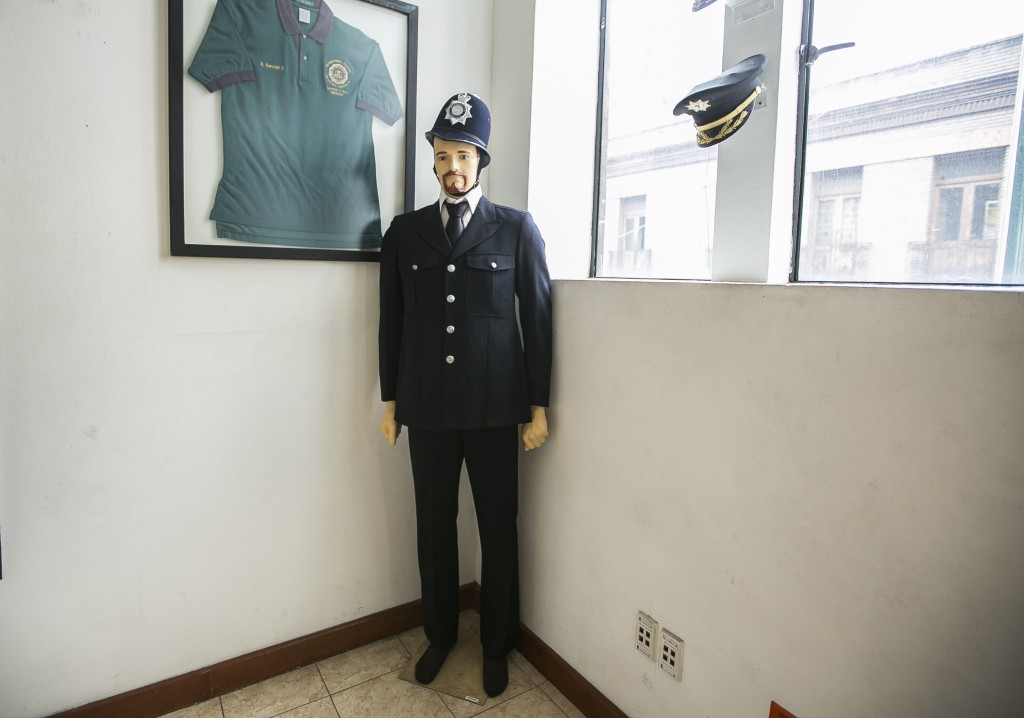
{"x":800,"y":167}
{"x":601,"y":141}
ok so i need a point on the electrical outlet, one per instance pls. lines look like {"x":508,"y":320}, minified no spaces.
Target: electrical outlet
{"x":670,"y":654}
{"x":646,"y":634}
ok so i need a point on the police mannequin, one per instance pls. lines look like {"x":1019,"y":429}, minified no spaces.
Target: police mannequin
{"x":465,"y":358}
{"x":457,"y":167}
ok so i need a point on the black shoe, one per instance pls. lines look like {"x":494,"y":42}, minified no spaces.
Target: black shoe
{"x":495,"y":675}
{"x":429,"y":664}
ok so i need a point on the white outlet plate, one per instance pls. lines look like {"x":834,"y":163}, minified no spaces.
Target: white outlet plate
{"x":646,"y":635}
{"x":670,"y":654}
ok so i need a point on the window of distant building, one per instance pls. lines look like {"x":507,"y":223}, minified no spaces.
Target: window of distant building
{"x":629,"y":255}
{"x":963,"y":241}
{"x":832,"y":246}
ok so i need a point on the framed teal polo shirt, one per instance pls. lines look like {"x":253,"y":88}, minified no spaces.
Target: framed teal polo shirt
{"x":299,"y":91}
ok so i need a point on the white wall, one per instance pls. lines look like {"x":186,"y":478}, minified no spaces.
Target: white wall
{"x":820,"y":489}
{"x":510,"y":101}
{"x":189,"y":461}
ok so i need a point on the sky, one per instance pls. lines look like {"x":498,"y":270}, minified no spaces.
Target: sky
{"x":890,"y":33}
{"x":660,"y":49}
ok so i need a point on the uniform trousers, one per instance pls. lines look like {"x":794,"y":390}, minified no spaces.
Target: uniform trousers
{"x":492,"y":458}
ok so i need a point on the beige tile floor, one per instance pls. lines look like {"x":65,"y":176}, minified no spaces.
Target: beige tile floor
{"x":364,"y":683}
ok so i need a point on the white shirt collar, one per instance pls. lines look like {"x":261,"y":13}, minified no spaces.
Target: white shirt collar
{"x":472,"y":199}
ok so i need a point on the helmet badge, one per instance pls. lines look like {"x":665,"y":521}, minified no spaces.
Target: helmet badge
{"x":458,"y":110}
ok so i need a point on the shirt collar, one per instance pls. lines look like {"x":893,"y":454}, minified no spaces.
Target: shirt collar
{"x":320,"y":29}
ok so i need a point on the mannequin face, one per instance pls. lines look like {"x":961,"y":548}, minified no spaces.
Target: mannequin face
{"x":456,"y":165}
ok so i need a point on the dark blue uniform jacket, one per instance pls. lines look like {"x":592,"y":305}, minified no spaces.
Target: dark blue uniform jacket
{"x":451,"y":352}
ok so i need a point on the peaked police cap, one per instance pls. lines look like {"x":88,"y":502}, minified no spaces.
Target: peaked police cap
{"x":721,"y":105}
{"x":464,"y":118}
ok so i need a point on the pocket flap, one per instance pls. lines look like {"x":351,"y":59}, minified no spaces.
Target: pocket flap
{"x":491,"y":262}
{"x":418,"y":263}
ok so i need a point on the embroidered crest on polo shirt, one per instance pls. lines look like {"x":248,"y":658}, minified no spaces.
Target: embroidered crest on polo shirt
{"x":338,"y":75}
{"x":458,"y":110}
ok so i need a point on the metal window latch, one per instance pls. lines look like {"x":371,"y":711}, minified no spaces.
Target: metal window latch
{"x":809,"y":54}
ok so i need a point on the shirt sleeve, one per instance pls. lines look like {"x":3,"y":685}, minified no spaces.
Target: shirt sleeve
{"x":377,"y":92}
{"x":222,"y":58}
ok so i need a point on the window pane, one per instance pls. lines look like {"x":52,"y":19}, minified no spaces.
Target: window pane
{"x":851,"y":212}
{"x":656,"y":187}
{"x":927,"y":117}
{"x":826,"y":210}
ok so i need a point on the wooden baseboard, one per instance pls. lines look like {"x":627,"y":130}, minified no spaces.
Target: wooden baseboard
{"x":222,"y":678}
{"x":777,"y":711}
{"x":201,"y":685}
{"x":591,"y":702}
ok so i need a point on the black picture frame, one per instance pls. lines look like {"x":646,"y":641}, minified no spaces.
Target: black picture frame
{"x":191,"y":230}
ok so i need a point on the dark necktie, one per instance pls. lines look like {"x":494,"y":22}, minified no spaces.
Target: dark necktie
{"x":455,"y":224}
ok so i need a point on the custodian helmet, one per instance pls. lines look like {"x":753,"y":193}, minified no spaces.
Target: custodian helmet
{"x":464,"y":118}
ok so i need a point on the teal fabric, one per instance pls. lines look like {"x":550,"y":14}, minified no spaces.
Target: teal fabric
{"x":298,"y":101}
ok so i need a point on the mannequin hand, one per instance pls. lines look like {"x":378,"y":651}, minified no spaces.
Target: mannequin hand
{"x":536,"y":432}
{"x":388,"y":426}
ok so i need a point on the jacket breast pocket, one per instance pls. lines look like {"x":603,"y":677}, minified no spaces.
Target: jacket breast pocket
{"x":422,"y":285}
{"x":491,"y":287}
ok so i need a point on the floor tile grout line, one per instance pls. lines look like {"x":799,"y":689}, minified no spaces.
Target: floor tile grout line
{"x":548,"y":683}
{"x":384,"y":675}
{"x":363,"y":682}
{"x":330,"y":696}
{"x":307,"y":703}
{"x":552,"y":700}
{"x":446,"y":706}
{"x":560,"y":709}
{"x":535,"y":688}
{"x":334,"y":706}
{"x":366,"y":680}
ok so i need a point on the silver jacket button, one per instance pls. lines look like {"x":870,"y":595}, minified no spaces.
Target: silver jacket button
{"x":450,"y":359}
{"x":451,"y":267}
{"x":450,"y":329}
{"x":451,"y":298}
{"x":494,"y":265}
{"x":415,"y":267}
